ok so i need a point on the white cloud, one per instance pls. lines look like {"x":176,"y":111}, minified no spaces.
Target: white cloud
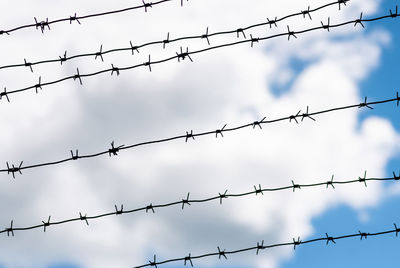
{"x":223,"y":86}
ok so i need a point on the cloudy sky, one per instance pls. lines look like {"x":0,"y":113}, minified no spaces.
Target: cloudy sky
{"x":232,"y":86}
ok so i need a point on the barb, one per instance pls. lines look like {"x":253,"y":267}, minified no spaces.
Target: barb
{"x":43,"y":24}
{"x":295,"y":243}
{"x":163,"y":42}
{"x":179,"y":56}
{"x":188,"y":201}
{"x":113,"y":151}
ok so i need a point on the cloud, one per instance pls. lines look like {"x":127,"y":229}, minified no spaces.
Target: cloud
{"x":230,"y":86}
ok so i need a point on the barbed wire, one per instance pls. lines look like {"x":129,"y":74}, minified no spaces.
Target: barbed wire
{"x":168,"y":40}
{"x":114,"y":150}
{"x":260,"y":246}
{"x":182,"y":202}
{"x":45,"y":24}
{"x":187,"y":54}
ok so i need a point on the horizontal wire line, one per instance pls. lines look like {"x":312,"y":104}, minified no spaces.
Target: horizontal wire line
{"x":260,"y":246}
{"x":166,"y":41}
{"x":43,"y":24}
{"x":184,"y":55}
{"x":113,"y":151}
{"x":188,"y":201}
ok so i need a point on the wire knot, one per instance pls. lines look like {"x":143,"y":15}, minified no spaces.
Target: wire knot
{"x":221,"y":196}
{"x":74,"y":18}
{"x":189,"y":135}
{"x":120,"y":211}
{"x":394,"y":15}
{"x":28,"y":64}
{"x":83,"y":218}
{"x":13,"y":169}
{"x":150,"y":207}
{"x":4,"y":94}
{"x":359,"y":21}
{"x":219,"y":131}
{"x":183,"y":55}
{"x":185,"y":201}
{"x":296,"y":242}
{"x":10,"y":229}
{"x":306,"y":12}
{"x":272,"y":22}
{"x":329,"y":239}
{"x":42,"y":24}
{"x":114,"y":69}
{"x":99,"y":54}
{"x":364,"y":179}
{"x":240,"y":30}
{"x":114,"y":150}
{"x":46,"y":224}
{"x":259,"y":190}
{"x":295,"y":186}
{"x":77,"y":76}
{"x":260,"y":246}
{"x":188,"y":259}
{"x":133,"y":48}
{"x":365,"y":104}
{"x":205,"y":36}
{"x":221,"y":253}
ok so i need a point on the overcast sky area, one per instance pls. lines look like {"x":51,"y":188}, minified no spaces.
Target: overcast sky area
{"x":232,"y":85}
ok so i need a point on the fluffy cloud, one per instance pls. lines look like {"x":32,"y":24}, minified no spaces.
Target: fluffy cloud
{"x":232,"y":86}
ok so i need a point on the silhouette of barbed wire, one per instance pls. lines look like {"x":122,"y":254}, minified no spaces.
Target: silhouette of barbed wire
{"x":260,"y":246}
{"x":45,"y":24}
{"x":113,"y":151}
{"x":182,"y":202}
{"x":187,"y":54}
{"x":168,"y":40}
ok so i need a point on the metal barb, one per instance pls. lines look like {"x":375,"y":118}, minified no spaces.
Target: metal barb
{"x":150,"y":207}
{"x":330,"y":183}
{"x":260,"y":246}
{"x":99,"y":54}
{"x":13,"y":169}
{"x":270,"y":22}
{"x":183,"y":55}
{"x":42,"y":24}
{"x":119,"y":212}
{"x":186,"y":201}
{"x":4,"y":32}
{"x":154,"y":262}
{"x":146,"y":5}
{"x":396,"y":178}
{"x":296,"y":243}
{"x":397,"y":98}
{"x":38,"y":85}
{"x":306,"y":12}
{"x":394,"y":15}
{"x":365,"y":235}
{"x":11,"y":229}
{"x":148,"y":63}
{"x":365,"y":104}
{"x":253,"y":40}
{"x":329,"y":239}
{"x":133,"y":48}
{"x":4,"y":94}
{"x":294,"y":117}
{"x":306,"y":114}
{"x":114,"y":150}
{"x":327,"y":25}
{"x":219,"y":131}
{"x":222,"y":196}
{"x":166,"y":41}
{"x":83,"y":218}
{"x":258,"y":123}
{"x":74,"y":18}
{"x":363,"y":179}
{"x":182,"y":6}
{"x":259,"y":190}
{"x":295,"y":186}
{"x":205,"y":36}
{"x":114,"y":69}
{"x":64,"y":58}
{"x":76,"y":156}
{"x":240,"y":30}
{"x":290,"y":33}
{"x":359,"y":21}
{"x":397,"y":229}
{"x":189,"y":135}
{"x":340,"y":2}
{"x":188,"y":258}
{"x":78,"y":76}
{"x":28,"y":64}
{"x":221,"y":253}
{"x":46,"y":224}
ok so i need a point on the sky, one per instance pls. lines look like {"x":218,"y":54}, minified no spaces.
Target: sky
{"x":232,"y":86}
